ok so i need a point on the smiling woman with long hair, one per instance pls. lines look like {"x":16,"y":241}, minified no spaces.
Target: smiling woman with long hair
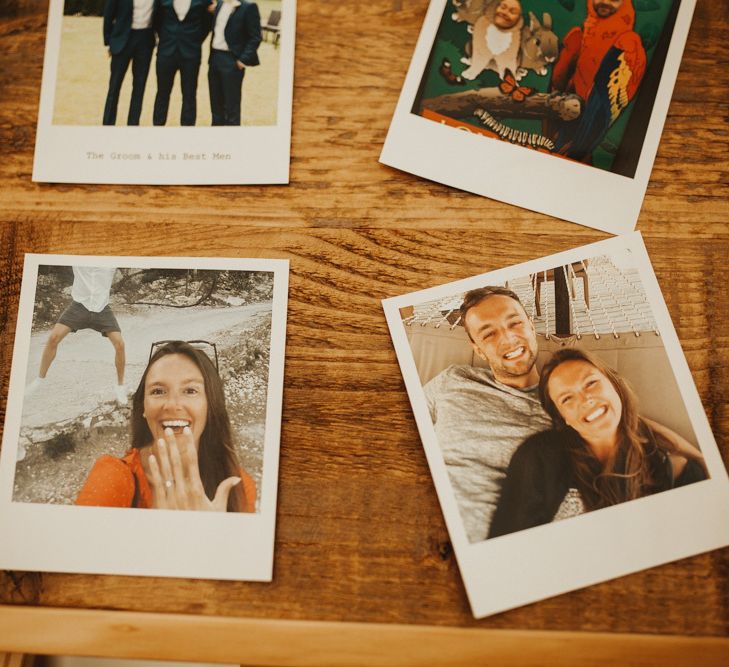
{"x":600,"y":451}
{"x":182,"y":454}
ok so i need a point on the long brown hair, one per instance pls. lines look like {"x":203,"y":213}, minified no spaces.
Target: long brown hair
{"x":216,"y":455}
{"x":626,"y":474}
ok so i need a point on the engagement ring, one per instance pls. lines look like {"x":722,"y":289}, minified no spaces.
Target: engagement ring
{"x":169,"y":483}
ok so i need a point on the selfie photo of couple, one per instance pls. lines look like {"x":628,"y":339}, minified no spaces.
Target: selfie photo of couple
{"x":558,"y":418}
{"x":536,"y":427}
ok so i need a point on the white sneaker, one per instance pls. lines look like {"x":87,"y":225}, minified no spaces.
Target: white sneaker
{"x":34,"y":386}
{"x":120,"y":391}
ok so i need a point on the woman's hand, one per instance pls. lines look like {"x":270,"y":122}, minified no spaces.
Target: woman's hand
{"x":175,"y":477}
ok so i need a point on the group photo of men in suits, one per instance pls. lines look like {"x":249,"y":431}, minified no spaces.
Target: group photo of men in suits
{"x":167,"y":62}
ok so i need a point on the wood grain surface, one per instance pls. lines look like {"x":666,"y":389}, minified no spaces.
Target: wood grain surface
{"x":285,"y":643}
{"x":360,"y":536}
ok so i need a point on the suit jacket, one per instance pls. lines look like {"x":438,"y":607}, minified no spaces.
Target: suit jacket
{"x":186,"y":36}
{"x":243,"y":32}
{"x":118,"y":16}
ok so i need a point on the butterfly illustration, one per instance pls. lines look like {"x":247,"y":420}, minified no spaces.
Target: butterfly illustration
{"x":509,"y":86}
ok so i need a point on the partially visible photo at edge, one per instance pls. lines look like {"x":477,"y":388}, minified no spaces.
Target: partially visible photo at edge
{"x":575,"y":79}
{"x":552,"y":395}
{"x":168,"y":63}
{"x":146,"y":388}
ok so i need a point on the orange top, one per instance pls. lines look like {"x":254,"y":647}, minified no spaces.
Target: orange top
{"x":111,"y":483}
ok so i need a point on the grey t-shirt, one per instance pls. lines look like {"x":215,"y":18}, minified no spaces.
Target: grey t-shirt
{"x":479,"y":423}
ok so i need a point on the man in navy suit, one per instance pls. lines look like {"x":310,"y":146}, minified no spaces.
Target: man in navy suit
{"x":129,"y":37}
{"x":182,"y":26}
{"x":234,"y":46}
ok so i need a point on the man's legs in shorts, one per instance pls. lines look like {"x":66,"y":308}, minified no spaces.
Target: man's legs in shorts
{"x":117,"y":341}
{"x":58,"y":333}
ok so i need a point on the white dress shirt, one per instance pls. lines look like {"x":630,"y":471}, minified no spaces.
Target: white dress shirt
{"x":181,"y":8}
{"x":221,"y":21}
{"x":142,"y":14}
{"x":91,"y":286}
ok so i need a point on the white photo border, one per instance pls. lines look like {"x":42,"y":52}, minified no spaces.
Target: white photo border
{"x":496,"y":169}
{"x":559,"y":557}
{"x":163,"y":543}
{"x":259,"y":155}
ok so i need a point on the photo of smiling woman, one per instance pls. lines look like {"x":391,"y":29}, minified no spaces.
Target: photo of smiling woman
{"x":599,"y":452}
{"x":182,"y":455}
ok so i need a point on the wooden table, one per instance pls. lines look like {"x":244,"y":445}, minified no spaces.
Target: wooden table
{"x":360,"y":536}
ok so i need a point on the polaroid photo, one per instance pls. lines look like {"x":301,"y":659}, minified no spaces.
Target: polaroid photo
{"x":195,"y":92}
{"x":556,"y":107}
{"x":143,"y":417}
{"x":564,"y":433}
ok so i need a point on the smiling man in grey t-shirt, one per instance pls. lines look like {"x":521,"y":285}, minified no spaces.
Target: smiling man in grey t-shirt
{"x":481,"y":415}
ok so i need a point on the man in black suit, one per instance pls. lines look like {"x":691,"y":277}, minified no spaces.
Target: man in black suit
{"x":233,"y":47}
{"x":129,"y":37}
{"x":182,"y":26}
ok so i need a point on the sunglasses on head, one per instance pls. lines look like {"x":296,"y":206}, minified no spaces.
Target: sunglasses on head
{"x":202,"y":345}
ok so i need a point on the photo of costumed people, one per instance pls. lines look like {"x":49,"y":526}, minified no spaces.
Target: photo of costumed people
{"x":168,"y":62}
{"x":552,"y":395}
{"x":573,"y":78}
{"x":172,"y":414}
